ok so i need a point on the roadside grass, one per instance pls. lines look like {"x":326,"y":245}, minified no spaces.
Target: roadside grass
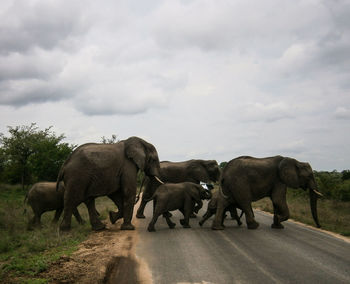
{"x":24,"y":253}
{"x":333,"y":215}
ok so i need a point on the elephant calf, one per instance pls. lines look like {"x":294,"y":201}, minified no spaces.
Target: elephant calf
{"x":182,"y":196}
{"x":43,"y":197}
{"x":211,"y":210}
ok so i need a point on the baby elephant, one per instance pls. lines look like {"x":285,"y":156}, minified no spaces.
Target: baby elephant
{"x":43,"y":197}
{"x":211,"y":210}
{"x":182,"y":196}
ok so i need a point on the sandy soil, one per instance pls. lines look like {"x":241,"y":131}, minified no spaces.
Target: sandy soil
{"x":105,"y":257}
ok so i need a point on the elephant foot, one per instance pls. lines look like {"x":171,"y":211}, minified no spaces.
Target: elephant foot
{"x":140,"y":216}
{"x":99,"y":227}
{"x":113,"y":217}
{"x":253,"y":225}
{"x":64,"y":228}
{"x":277,"y":226}
{"x":172,"y":225}
{"x":186,"y":226}
{"x":151,"y":229}
{"x":127,"y":226}
{"x":215,"y":227}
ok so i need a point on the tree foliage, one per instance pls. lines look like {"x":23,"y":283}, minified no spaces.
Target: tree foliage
{"x":333,"y":185}
{"x":29,"y":154}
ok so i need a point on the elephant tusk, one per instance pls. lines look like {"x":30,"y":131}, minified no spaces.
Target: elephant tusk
{"x":222,"y":193}
{"x":318,"y":193}
{"x":158,"y":179}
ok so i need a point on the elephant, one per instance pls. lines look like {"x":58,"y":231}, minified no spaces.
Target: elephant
{"x":246,"y":179}
{"x":175,"y":172}
{"x":94,"y":170}
{"x":173,"y":196}
{"x":43,"y":197}
{"x":211,"y":210}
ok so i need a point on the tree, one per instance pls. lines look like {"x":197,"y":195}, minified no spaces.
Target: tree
{"x":345,"y":174}
{"x":29,"y":154}
{"x":112,"y":140}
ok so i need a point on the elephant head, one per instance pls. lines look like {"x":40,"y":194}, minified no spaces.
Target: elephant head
{"x":197,"y":191}
{"x":144,"y":155}
{"x":296,"y":174}
{"x":205,"y":170}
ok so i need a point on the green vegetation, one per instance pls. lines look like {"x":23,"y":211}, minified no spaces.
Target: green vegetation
{"x":334,"y":185}
{"x":24,"y":254}
{"x":29,"y":155}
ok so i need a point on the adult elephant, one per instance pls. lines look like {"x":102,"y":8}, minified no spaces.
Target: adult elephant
{"x":247,"y":179}
{"x":94,"y":170}
{"x":175,"y":172}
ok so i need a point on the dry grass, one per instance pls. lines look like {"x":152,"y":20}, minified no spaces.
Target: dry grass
{"x":333,"y":215}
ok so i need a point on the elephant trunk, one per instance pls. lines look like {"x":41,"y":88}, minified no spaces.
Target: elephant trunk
{"x":313,"y":205}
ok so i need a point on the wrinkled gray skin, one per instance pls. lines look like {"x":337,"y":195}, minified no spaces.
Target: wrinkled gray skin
{"x":248,"y":179}
{"x":182,"y":196}
{"x":211,"y":210}
{"x":174,"y":172}
{"x":43,"y":197}
{"x":94,"y":170}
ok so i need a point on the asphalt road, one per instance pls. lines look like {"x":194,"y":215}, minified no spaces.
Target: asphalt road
{"x":296,"y":254}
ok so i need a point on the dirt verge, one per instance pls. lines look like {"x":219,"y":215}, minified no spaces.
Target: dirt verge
{"x":105,"y":257}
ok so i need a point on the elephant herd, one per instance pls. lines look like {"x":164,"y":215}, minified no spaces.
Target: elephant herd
{"x":94,"y":170}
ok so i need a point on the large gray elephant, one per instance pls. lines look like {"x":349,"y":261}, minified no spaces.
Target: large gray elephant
{"x":247,"y":179}
{"x":174,"y":172}
{"x":43,"y":197}
{"x":185,"y":196}
{"x":94,"y":170}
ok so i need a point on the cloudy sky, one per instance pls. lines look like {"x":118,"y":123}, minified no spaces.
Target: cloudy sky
{"x":198,"y":79}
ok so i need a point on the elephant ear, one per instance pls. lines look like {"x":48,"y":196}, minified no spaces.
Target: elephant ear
{"x":198,"y":171}
{"x":135,"y":151}
{"x":288,"y":172}
{"x":194,"y":192}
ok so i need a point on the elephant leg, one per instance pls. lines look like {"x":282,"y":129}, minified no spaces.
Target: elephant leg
{"x":129,"y":194}
{"x":95,"y":222}
{"x":234,"y":215}
{"x":57,"y":215}
{"x":249,"y":216}
{"x":153,"y":222}
{"x":187,"y":211}
{"x":280,"y":208}
{"x":139,"y":213}
{"x":205,"y":217}
{"x":219,"y":216}
{"x":118,"y":201}
{"x":169,"y":222}
{"x":36,"y":221}
{"x":70,"y":202}
{"x":78,"y":217}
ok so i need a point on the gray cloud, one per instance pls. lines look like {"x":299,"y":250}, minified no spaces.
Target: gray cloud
{"x":259,"y":78}
{"x":29,"y":24}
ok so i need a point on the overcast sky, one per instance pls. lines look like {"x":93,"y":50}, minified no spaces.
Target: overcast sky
{"x":198,"y":79}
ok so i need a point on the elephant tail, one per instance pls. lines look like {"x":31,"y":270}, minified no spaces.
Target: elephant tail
{"x":25,"y":203}
{"x":60,"y":177}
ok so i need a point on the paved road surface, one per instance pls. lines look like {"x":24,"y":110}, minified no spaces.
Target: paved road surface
{"x":296,"y":254}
